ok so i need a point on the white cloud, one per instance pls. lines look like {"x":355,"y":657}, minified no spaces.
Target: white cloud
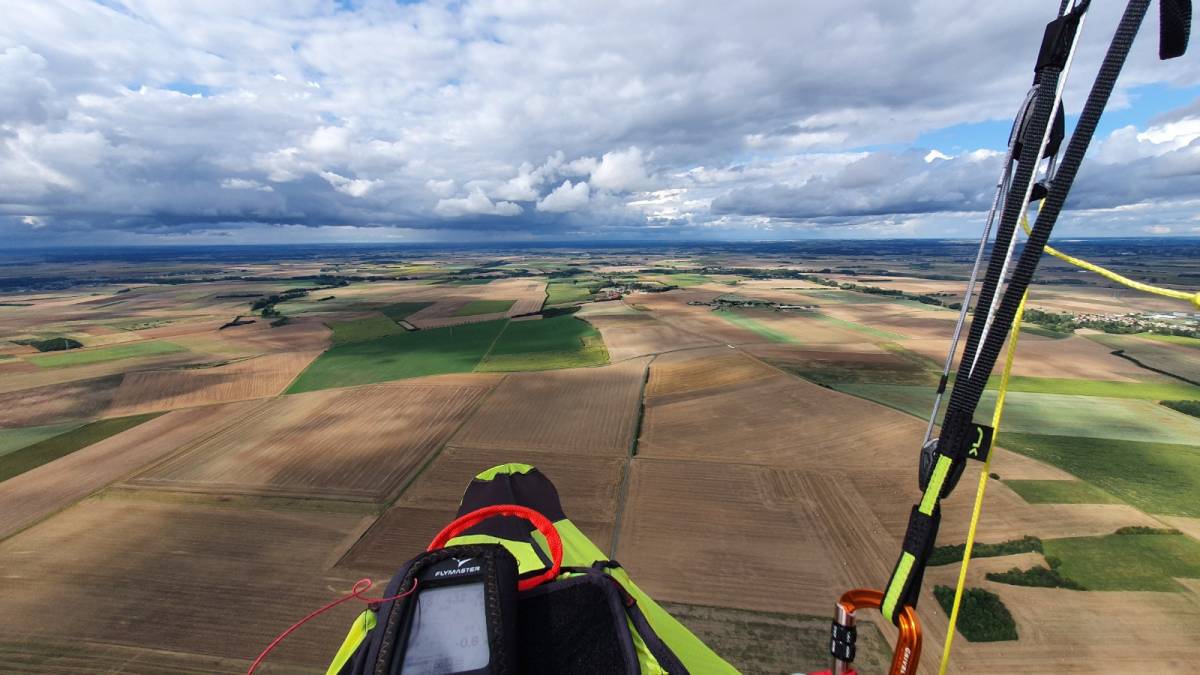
{"x":244,"y":184}
{"x":620,"y":171}
{"x":476,"y":203}
{"x":396,"y":113}
{"x":565,"y":197}
{"x":355,"y":187}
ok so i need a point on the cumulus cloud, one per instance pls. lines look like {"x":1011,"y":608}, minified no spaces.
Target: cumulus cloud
{"x":565,"y":197}
{"x":620,"y":171}
{"x":600,"y":118}
{"x":477,"y":204}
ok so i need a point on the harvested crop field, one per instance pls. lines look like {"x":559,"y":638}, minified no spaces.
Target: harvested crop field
{"x":257,"y":377}
{"x":629,"y":336}
{"x":694,"y":532}
{"x":204,"y":580}
{"x":320,"y":445}
{"x":587,"y":487}
{"x":779,"y":421}
{"x":486,"y":302}
{"x":1178,"y":359}
{"x":38,"y":493}
{"x":698,"y":370}
{"x":584,"y":411}
{"x":1113,"y":632}
{"x":1054,"y":414}
{"x":79,"y":400}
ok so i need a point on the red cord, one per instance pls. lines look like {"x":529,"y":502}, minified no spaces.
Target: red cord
{"x":361,"y":586}
{"x":541,"y":522}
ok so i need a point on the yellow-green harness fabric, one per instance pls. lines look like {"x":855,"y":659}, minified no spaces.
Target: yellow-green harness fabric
{"x":358,"y":632}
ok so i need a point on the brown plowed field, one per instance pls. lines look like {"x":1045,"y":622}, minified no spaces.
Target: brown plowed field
{"x":783,"y":422}
{"x":1107,"y":632}
{"x":357,"y":444}
{"x":36,"y":376}
{"x":181,"y":577}
{"x":699,"y":370}
{"x":703,"y":533}
{"x":35,"y":494}
{"x":79,"y":400}
{"x":583,"y":411}
{"x":528,"y":296}
{"x":628,"y":336}
{"x":587,"y":486}
{"x":1071,"y":357}
{"x":257,"y":377}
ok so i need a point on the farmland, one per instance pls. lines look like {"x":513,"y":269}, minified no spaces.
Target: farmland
{"x":757,"y":417}
{"x":17,"y":462}
{"x":430,"y":352}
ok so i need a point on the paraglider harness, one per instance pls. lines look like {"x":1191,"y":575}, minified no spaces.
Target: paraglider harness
{"x":1037,"y":135}
{"x":484,"y":598}
{"x":466,"y":609}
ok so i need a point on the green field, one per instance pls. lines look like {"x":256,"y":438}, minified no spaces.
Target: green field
{"x":860,"y":328}
{"x":1060,"y":492}
{"x":82,"y":357}
{"x":484,"y":307}
{"x":12,"y":440}
{"x":1035,"y":329}
{"x":546,"y":344}
{"x":1173,"y":339}
{"x":683,"y":279}
{"x":753,"y":326}
{"x":840,"y":297}
{"x":1153,"y":391}
{"x":456,"y":349}
{"x":558,"y":292}
{"x":50,"y":449}
{"x":402,"y":310}
{"x":359,"y":330}
{"x":1071,"y":416}
{"x":1127,"y":562}
{"x":1160,"y":478}
{"x":468,"y":282}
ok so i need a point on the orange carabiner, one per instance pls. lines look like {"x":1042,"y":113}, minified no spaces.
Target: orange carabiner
{"x":908,"y":646}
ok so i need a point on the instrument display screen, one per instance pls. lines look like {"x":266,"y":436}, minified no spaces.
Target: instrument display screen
{"x":449,"y":631}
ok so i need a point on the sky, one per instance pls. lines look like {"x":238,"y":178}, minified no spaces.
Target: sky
{"x":128,"y":122}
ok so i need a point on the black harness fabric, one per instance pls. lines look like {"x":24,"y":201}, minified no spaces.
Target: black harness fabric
{"x":1174,"y":27}
{"x":574,"y":626}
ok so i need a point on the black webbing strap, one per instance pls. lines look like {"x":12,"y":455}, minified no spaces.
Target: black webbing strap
{"x":959,"y":432}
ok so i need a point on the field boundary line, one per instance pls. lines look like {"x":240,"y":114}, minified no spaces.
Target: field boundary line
{"x":399,"y":491}
{"x":486,"y":354}
{"x":119,"y":480}
{"x":623,"y":488}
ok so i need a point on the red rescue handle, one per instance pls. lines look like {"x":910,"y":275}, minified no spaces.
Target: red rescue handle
{"x":542,"y":523}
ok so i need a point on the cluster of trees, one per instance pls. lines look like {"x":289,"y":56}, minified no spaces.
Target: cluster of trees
{"x":982,"y":616}
{"x":54,"y":344}
{"x":1037,"y":575}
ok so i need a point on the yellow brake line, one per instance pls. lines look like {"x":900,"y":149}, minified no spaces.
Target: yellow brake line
{"x":1190,"y":296}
